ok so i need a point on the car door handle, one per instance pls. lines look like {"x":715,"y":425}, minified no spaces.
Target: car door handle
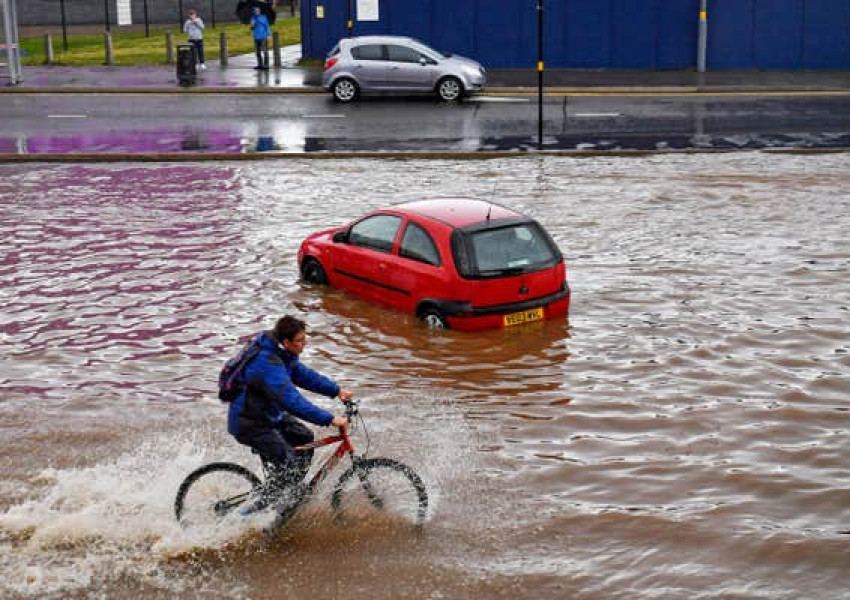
{"x":382,"y":266}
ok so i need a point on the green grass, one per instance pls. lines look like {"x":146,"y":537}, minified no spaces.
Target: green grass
{"x":133,"y":48}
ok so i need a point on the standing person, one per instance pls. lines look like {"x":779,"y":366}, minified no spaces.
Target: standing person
{"x":265,"y":415}
{"x":194,"y":28}
{"x":260,"y":27}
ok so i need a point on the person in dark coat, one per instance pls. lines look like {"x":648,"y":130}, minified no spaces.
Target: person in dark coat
{"x":267,"y":414}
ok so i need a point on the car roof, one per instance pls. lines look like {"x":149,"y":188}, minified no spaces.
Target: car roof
{"x":457,"y":212}
{"x":377,"y":39}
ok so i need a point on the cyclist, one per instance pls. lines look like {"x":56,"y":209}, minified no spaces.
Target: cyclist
{"x":265,"y":415}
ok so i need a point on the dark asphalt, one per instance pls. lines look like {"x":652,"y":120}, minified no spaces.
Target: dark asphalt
{"x":67,"y":112}
{"x":165,"y":124}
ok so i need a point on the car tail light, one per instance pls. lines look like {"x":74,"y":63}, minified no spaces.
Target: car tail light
{"x":330,"y":62}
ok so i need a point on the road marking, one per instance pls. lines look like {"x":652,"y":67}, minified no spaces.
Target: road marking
{"x":495,"y":99}
{"x":66,"y":116}
{"x":595,"y":115}
{"x":323,"y":116}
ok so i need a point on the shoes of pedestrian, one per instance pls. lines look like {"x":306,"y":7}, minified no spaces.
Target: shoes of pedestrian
{"x":265,"y":68}
{"x":202,"y":67}
{"x":258,"y":68}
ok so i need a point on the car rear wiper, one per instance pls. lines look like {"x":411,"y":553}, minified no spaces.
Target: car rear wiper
{"x":505,"y":271}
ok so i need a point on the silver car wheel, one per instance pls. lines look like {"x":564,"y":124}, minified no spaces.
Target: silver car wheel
{"x":345,"y":90}
{"x":450,"y":89}
{"x":433,"y":319}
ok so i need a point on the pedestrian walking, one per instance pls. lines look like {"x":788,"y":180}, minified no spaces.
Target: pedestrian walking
{"x":194,"y":28}
{"x":260,"y":27}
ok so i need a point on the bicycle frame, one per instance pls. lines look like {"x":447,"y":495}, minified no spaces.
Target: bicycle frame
{"x":345,"y":447}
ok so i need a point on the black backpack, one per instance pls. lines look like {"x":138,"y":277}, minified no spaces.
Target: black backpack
{"x":231,"y":380}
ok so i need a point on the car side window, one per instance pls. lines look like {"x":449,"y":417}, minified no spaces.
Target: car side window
{"x":376,"y":232}
{"x":402,"y":54}
{"x":368,"y":52}
{"x":418,"y":245}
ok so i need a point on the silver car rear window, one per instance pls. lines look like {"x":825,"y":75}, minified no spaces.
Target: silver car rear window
{"x":368,"y":52}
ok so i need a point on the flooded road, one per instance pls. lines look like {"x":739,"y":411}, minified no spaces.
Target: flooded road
{"x":684,"y":436}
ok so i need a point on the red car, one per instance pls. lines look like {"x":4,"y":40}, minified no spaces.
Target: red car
{"x":455,"y":263}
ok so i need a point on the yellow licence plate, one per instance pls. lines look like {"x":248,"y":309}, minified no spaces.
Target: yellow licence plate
{"x":526,"y":316}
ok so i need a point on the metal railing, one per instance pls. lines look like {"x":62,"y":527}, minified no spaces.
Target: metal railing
{"x":9,"y":11}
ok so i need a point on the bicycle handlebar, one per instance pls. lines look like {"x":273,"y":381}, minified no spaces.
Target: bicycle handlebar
{"x":351,"y":408}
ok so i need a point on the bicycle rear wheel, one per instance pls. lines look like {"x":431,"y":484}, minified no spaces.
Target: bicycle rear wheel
{"x":212,"y":492}
{"x":384,"y":485}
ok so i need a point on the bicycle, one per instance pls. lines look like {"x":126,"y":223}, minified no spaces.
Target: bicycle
{"x":216,"y":490}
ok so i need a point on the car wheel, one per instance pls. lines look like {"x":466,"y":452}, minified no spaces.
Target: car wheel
{"x":450,"y":89}
{"x":313,"y":272}
{"x":345,"y":90}
{"x":433,"y":319}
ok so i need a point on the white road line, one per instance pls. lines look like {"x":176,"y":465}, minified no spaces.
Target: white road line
{"x":594,"y":115}
{"x":66,"y":116}
{"x":495,"y":99}
{"x":323,"y":116}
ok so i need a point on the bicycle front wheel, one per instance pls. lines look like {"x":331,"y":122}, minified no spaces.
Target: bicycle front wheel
{"x":384,"y":485}
{"x":212,"y":492}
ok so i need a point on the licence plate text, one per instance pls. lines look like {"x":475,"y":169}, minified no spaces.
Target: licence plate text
{"x":518,"y":318}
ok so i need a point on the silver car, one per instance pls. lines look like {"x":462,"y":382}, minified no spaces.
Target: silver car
{"x":389,"y":63}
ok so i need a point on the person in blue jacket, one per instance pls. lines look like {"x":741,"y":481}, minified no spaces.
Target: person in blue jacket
{"x":265,"y":415}
{"x":262,"y":31}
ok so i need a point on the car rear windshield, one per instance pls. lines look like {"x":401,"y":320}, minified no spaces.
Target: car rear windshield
{"x":501,"y":251}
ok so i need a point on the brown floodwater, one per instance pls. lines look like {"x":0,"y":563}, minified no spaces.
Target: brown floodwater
{"x":685,"y":435}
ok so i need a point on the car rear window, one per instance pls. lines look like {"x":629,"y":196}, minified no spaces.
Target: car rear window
{"x":334,"y":51}
{"x":500,"y":251}
{"x":368,"y":52}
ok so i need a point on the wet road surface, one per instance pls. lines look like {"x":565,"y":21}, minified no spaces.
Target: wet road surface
{"x":237,"y":124}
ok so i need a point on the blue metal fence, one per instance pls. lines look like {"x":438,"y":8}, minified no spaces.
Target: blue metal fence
{"x":604,"y":34}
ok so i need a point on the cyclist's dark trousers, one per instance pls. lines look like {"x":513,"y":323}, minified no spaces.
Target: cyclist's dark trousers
{"x":275,"y":446}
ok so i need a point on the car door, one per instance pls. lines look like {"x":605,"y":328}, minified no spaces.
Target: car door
{"x":363,"y":259}
{"x":370,"y":66}
{"x":418,"y":269}
{"x":408,"y":69}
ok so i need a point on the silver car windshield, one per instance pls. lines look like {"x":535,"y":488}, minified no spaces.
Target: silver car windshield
{"x":515,"y":249}
{"x":426,"y":50}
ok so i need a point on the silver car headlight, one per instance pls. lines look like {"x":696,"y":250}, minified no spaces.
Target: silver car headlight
{"x":472,"y":72}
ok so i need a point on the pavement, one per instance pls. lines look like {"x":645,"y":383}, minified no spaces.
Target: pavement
{"x":240,"y":77}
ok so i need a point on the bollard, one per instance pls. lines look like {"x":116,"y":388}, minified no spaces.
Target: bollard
{"x":48,"y":49}
{"x":169,"y":48}
{"x":222,"y":52}
{"x":276,"y":49}
{"x":107,"y":43}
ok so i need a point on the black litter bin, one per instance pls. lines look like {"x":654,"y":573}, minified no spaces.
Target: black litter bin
{"x":187,"y":72}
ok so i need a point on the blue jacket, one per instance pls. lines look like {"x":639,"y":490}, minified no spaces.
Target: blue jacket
{"x":260,"y":25}
{"x":270,"y":391}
